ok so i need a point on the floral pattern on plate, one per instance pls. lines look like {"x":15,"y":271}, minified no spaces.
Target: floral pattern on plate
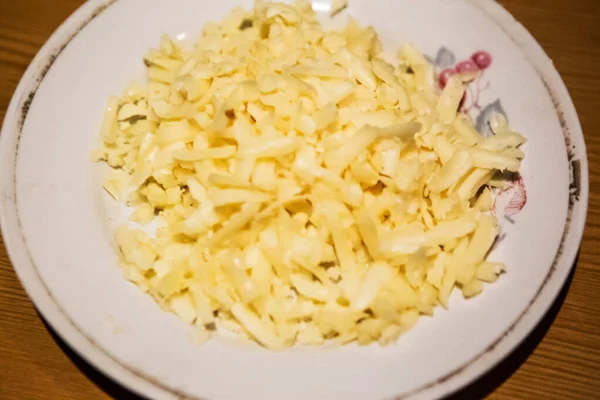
{"x":510,"y":200}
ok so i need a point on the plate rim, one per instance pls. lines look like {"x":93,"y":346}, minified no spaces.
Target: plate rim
{"x":135,"y":379}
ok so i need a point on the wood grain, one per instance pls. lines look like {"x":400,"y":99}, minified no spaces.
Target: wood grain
{"x":560,"y":360}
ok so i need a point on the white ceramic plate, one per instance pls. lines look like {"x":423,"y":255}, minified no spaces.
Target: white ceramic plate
{"x":57,"y":222}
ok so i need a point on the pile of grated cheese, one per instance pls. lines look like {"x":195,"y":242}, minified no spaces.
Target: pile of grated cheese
{"x":302,"y":188}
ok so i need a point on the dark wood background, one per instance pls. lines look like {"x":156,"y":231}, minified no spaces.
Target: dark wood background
{"x":560,"y":360}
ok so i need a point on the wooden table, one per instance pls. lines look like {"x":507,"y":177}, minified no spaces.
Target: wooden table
{"x":561,"y":359}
